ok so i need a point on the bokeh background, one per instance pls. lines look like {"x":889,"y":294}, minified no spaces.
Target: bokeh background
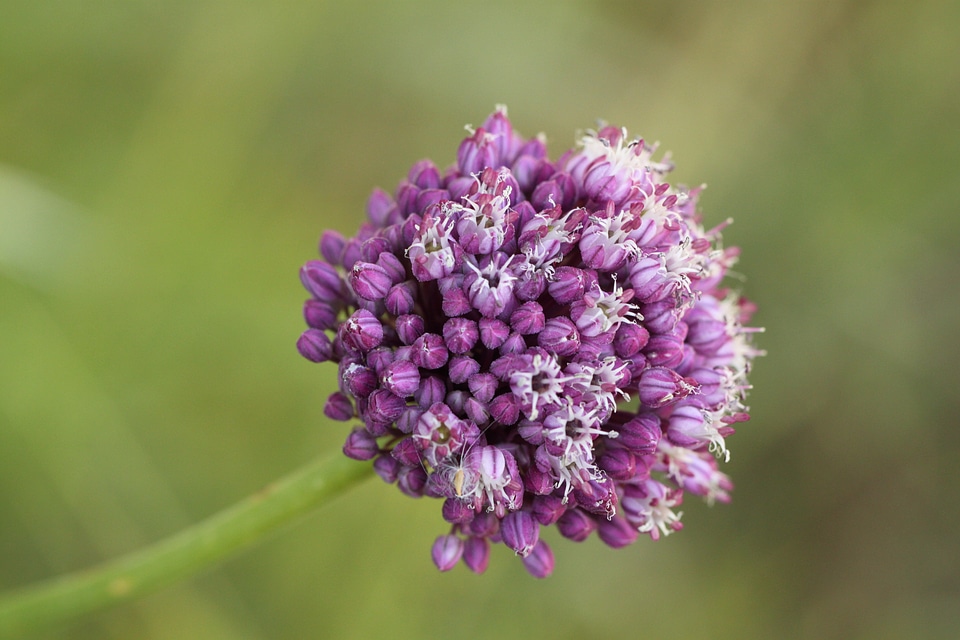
{"x":165,"y":168}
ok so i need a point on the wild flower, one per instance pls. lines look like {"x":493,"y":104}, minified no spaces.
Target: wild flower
{"x":493,"y":321}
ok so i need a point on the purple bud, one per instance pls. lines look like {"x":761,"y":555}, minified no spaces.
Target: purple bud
{"x":392,"y":265}
{"x":616,"y":532}
{"x":407,"y":193}
{"x":520,"y":532}
{"x":429,"y":351}
{"x":539,"y":563}
{"x":372,"y":248}
{"x":322,"y":280}
{"x":576,"y":525}
{"x":507,"y":142}
{"x":412,"y":480}
{"x":424,"y":174}
{"x":618,"y":463}
{"x":370,"y":281}
{"x":598,"y":496}
{"x":476,"y":410}
{"x":531,"y":286}
{"x":456,"y":511}
{"x":429,"y":197}
{"x":362,"y":331}
{"x":378,"y":359}
{"x":314,"y":345}
{"x":384,"y":407}
{"x":505,"y":366}
{"x":460,"y":334}
{"x":493,"y":332}
{"x":361,"y":445}
{"x":505,"y":409}
{"x":377,"y":429}
{"x":483,"y":386}
{"x":331,"y":246}
{"x":338,"y":407}
{"x":513,"y":344}
{"x":409,"y":328}
{"x":666,"y":349}
{"x":431,"y":391}
{"x":560,"y":336}
{"x":477,"y":152}
{"x":485,"y":524}
{"x":447,"y":551}
{"x":660,"y":317}
{"x":407,"y":422}
{"x":462,"y":368}
{"x":455,"y":303}
{"x":630,"y":338}
{"x":401,"y":298}
{"x":640,"y":434}
{"x":538,"y":481}
{"x":351,"y":254}
{"x":358,"y":380}
{"x":527,"y":318}
{"x":379,"y":206}
{"x":558,"y":191}
{"x":455,"y":400}
{"x":406,"y":452}
{"x":319,"y":315}
{"x":402,"y":378}
{"x":569,"y":284}
{"x":659,"y":386}
{"x":387,"y":468}
{"x":548,"y":509}
{"x":476,"y":554}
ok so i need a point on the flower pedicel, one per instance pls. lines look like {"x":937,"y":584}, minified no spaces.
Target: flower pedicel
{"x":537,"y":343}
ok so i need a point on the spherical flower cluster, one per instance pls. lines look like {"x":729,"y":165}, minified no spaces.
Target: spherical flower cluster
{"x":537,"y":343}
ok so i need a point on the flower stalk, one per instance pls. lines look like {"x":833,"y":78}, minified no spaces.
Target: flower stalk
{"x":191,"y":551}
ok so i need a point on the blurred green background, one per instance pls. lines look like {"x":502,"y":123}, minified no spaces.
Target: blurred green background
{"x":165,"y":168}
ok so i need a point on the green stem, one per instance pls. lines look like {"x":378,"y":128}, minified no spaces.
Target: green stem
{"x":183,"y":554}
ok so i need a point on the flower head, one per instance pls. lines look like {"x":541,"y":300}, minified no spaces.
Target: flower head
{"x":491,"y":322}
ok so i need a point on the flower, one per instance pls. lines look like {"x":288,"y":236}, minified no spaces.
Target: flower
{"x":492,"y":322}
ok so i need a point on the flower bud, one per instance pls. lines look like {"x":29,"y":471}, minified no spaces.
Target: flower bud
{"x":361,"y":445}
{"x":387,"y":468}
{"x":616,"y":532}
{"x":406,"y":453}
{"x":576,"y":525}
{"x":429,"y":351}
{"x":483,"y":386}
{"x":493,"y":332}
{"x":409,"y":328}
{"x":338,"y":407}
{"x":630,"y":339}
{"x":527,"y":318}
{"x":476,"y":553}
{"x":315,"y":346}
{"x":379,"y":206}
{"x":362,"y":331}
{"x":660,"y":386}
{"x":461,"y":368}
{"x":331,"y":246}
{"x":447,"y":551}
{"x":520,"y":532}
{"x":640,"y":434}
{"x":548,"y":509}
{"x":568,"y":284}
{"x":401,"y":378}
{"x":460,"y":334}
{"x":560,"y":336}
{"x":539,"y":562}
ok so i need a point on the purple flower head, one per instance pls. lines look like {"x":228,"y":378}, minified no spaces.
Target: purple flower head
{"x":536,"y":343}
